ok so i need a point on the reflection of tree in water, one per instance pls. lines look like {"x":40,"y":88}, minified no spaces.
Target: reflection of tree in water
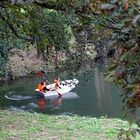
{"x":103,"y":92}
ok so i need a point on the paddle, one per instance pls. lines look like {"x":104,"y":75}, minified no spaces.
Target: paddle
{"x":42,"y":74}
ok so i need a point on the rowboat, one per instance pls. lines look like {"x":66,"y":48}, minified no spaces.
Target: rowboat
{"x":65,"y":87}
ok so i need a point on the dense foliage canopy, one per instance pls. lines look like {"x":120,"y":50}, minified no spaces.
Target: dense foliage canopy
{"x":122,"y":17}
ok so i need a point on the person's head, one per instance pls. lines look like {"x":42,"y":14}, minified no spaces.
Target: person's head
{"x":57,"y":78}
{"x":42,"y":83}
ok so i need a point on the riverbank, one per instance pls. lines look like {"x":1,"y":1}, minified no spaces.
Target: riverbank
{"x":29,"y":126}
{"x":25,"y":63}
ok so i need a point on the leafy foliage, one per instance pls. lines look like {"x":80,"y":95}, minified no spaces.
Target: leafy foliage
{"x":56,"y":29}
{"x":123,"y":18}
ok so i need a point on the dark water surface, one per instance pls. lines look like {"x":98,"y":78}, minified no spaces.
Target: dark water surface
{"x":93,"y":96}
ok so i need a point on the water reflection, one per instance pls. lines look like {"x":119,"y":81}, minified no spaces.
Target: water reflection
{"x":58,"y":102}
{"x":55,"y":100}
{"x":17,"y":109}
{"x":103,"y":93}
{"x":42,"y":103}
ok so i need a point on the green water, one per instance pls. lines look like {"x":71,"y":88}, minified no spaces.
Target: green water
{"x":96,"y":96}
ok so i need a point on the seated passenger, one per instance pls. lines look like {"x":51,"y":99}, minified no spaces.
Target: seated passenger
{"x":57,"y":83}
{"x":57,"y":86}
{"x":41,"y":86}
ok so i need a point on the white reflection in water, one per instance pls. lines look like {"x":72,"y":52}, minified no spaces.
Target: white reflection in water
{"x":103,"y":93}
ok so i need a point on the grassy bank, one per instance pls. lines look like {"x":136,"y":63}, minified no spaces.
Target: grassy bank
{"x":33,"y":126}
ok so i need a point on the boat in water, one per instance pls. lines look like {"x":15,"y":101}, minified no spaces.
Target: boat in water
{"x":65,"y":87}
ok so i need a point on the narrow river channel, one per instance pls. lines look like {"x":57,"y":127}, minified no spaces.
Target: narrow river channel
{"x":93,"y":96}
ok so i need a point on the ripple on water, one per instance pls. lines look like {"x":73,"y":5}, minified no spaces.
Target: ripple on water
{"x":13,"y":96}
{"x":17,"y":109}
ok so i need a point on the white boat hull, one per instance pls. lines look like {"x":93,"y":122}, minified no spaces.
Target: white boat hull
{"x":65,"y":87}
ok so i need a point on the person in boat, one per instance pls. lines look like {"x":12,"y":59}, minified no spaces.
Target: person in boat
{"x":57,"y":85}
{"x":46,"y":84}
{"x":42,"y":87}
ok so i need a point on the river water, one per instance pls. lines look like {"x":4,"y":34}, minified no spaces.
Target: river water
{"x":93,"y":96}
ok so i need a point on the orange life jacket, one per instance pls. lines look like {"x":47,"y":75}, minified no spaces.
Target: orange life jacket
{"x":40,"y":87}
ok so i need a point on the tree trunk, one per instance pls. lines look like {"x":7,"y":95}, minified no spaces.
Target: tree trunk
{"x":40,"y":52}
{"x":56,"y":59}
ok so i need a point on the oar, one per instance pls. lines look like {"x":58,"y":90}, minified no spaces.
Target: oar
{"x":41,"y":74}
